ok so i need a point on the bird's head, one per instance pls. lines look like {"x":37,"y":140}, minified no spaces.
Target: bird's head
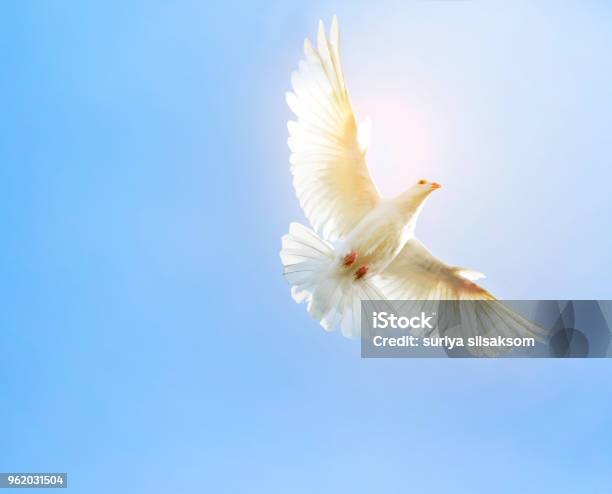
{"x":413,"y":198}
{"x":426,"y":187}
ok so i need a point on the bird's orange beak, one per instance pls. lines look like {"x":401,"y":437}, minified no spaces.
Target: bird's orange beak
{"x":435,"y":185}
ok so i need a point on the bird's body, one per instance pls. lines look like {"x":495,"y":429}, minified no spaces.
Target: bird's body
{"x":380,"y":236}
{"x":369,"y":249}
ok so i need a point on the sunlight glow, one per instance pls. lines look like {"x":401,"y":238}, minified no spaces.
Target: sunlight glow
{"x":401,"y":144}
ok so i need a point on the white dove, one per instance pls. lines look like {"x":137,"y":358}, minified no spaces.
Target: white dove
{"x":375,"y":254}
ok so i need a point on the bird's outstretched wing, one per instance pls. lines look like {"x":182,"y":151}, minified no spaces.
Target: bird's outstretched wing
{"x":331,"y":177}
{"x":416,"y":274}
{"x":424,"y":282}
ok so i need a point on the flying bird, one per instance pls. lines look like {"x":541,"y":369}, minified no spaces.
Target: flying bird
{"x":361,"y":246}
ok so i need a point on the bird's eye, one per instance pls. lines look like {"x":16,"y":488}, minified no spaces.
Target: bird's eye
{"x":422,"y":182}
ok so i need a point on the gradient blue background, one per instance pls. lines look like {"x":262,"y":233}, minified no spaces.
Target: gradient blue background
{"x":147,"y":337}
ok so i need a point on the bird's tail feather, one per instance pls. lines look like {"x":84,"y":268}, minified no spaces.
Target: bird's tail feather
{"x":333,"y":295}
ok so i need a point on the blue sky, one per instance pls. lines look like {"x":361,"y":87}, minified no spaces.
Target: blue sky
{"x":148,"y":338}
